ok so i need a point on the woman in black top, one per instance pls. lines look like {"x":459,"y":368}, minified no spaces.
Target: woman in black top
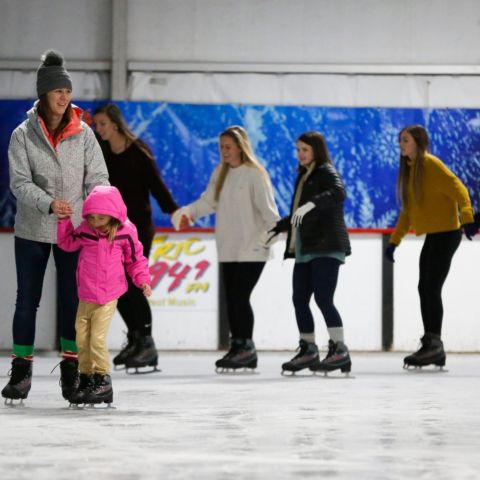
{"x":132,"y":169}
{"x":318,"y":240}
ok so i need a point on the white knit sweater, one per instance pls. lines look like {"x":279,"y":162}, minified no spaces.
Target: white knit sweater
{"x":245,"y":209}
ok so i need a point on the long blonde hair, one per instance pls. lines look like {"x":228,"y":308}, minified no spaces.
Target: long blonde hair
{"x":420,"y":136}
{"x":111,"y":228}
{"x":240,"y":137}
{"x":115,"y":115}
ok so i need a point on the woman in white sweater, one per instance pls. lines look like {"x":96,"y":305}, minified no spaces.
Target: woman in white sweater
{"x":241,"y":195}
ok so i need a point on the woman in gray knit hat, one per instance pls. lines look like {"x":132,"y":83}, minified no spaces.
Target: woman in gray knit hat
{"x":54,"y":161}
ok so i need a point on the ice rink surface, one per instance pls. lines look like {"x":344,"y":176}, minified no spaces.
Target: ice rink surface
{"x":188,"y":422}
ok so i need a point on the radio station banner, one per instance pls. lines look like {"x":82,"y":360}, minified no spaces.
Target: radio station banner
{"x":184,"y":272}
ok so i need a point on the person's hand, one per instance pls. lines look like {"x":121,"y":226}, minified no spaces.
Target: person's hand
{"x":182,"y":218}
{"x":267,"y":238}
{"x":61,"y":207}
{"x":185,"y":222}
{"x":389,"y":251}
{"x":147,"y":289}
{"x":470,"y":230}
{"x":297,"y":217}
{"x":476,"y":219}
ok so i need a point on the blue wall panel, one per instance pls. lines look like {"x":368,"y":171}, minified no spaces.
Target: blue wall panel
{"x":362,"y":143}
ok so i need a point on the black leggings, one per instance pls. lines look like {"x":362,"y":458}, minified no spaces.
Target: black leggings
{"x":133,"y":305}
{"x":435,"y":261}
{"x":317,"y":277}
{"x":239,"y":280}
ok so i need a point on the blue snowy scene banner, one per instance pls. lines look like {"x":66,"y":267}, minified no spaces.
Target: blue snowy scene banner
{"x":362,"y":142}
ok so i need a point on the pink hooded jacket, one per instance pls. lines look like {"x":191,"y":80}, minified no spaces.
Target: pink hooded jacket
{"x":101,"y":265}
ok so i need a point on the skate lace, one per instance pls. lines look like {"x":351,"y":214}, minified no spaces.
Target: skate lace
{"x":302,"y":350}
{"x":55,"y":367}
{"x":422,"y":347}
{"x":17,"y":375}
{"x":67,"y":376}
{"x":331,"y":350}
{"x":126,"y":342}
{"x":234,"y":349}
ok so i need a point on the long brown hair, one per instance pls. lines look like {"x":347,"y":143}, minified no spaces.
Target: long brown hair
{"x":319,"y":146}
{"x":240,"y":137}
{"x":43,"y":111}
{"x":115,"y":115}
{"x":420,"y":136}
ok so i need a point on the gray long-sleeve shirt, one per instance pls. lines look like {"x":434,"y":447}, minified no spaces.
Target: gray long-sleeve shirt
{"x":40,"y":174}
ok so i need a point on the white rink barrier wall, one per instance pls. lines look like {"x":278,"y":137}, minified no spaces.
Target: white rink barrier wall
{"x":186,"y":318}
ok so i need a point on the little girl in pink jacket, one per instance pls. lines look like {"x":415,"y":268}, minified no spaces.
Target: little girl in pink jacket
{"x":109,"y":245}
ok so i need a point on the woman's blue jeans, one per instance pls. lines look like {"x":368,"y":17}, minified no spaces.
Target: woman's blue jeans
{"x":31,"y":259}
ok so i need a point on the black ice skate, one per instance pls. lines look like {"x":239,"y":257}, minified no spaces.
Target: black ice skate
{"x":242,"y":354}
{"x":69,"y":377}
{"x":20,"y":381}
{"x":235,"y":345}
{"x":430,"y":353}
{"x":337,"y":358}
{"x":306,"y":357}
{"x":101,"y":392}
{"x":144,"y":355}
{"x":127,"y":351}
{"x":85,"y":386}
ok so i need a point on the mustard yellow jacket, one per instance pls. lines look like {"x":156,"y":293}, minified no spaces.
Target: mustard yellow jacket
{"x":444,"y":200}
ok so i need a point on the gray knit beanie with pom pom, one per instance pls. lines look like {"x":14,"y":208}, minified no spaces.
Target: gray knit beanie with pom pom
{"x":51,"y":74}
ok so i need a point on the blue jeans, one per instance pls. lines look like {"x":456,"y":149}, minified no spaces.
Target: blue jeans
{"x":31,"y":262}
{"x":317,"y":277}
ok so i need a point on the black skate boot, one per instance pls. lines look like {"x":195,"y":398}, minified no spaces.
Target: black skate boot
{"x":235,"y":345}
{"x":243,"y":355}
{"x":69,"y":377}
{"x":20,"y":381}
{"x":85,"y":386}
{"x":306,"y":357}
{"x":144,"y":355}
{"x":430,"y":353}
{"x":101,"y":392}
{"x":127,"y":350}
{"x":337,"y":358}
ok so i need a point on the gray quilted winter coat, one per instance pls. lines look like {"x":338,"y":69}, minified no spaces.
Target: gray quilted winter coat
{"x":40,"y":174}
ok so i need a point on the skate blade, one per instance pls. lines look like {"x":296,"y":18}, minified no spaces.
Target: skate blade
{"x":138,"y":370}
{"x":91,"y":406}
{"x":334,"y":375}
{"x":100,"y":406}
{"x":119,"y":367}
{"x":235,"y":371}
{"x":11,"y":402}
{"x":425,"y":369}
{"x":293,"y":373}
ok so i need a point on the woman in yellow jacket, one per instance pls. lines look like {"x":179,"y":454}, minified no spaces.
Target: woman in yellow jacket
{"x":436,"y":203}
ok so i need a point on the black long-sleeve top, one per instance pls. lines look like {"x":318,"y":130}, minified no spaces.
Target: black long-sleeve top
{"x":136,"y":176}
